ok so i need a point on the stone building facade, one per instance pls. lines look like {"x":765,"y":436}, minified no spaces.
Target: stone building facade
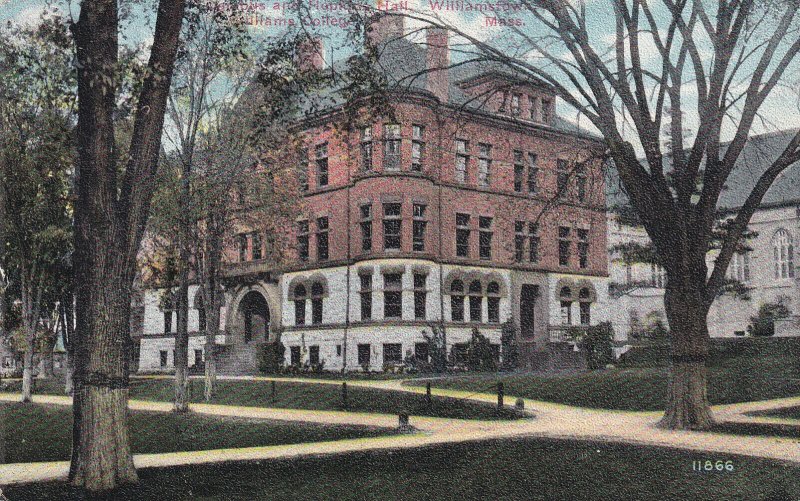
{"x":472,"y":205}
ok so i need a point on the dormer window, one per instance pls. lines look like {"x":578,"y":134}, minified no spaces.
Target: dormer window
{"x":547,"y":110}
{"x":515,"y":104}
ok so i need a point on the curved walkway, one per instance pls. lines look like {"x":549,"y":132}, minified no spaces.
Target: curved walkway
{"x":552,"y":421}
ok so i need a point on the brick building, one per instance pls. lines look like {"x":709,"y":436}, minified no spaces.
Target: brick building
{"x":472,"y":205}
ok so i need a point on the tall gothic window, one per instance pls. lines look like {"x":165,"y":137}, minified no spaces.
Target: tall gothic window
{"x":783,"y":254}
{"x":300,"y":304}
{"x":457,"y":301}
{"x":316,"y":302}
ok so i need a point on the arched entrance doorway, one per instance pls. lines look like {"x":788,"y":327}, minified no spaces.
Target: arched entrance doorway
{"x":254,"y":313}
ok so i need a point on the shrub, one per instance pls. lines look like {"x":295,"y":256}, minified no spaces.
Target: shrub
{"x":595,"y":343}
{"x":480,"y":355}
{"x":270,"y":357}
{"x":437,"y":348}
{"x":763,"y":324}
{"x":508,"y":345}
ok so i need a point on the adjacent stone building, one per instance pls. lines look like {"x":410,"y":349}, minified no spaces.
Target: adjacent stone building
{"x":473,"y":204}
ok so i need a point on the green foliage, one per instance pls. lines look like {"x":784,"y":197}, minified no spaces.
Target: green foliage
{"x":652,"y":327}
{"x":270,"y":357}
{"x":763,"y":324}
{"x":481,"y":355}
{"x":508,"y":344}
{"x":595,"y":343}
{"x":437,"y":348}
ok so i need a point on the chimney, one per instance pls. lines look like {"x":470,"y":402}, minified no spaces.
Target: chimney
{"x":438,"y":56}
{"x":309,"y":55}
{"x":384,"y":28}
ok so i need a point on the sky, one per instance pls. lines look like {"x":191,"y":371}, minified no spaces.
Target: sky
{"x":781,"y":110}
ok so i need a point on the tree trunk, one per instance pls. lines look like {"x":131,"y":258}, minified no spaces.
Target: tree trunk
{"x":182,"y":343}
{"x":47,"y":363}
{"x":687,"y":399}
{"x":27,"y":372}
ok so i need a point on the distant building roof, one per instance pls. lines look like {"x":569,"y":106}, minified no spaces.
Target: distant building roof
{"x":756,"y":157}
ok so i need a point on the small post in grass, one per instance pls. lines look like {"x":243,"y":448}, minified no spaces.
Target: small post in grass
{"x":500,"y":395}
{"x":274,"y":392}
{"x":404,"y":422}
{"x":344,"y":395}
{"x":428,"y":399}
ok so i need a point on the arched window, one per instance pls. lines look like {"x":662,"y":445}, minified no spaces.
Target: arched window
{"x":566,"y":305}
{"x":300,"y":304}
{"x":316,"y":302}
{"x":783,"y":254}
{"x":475,"y":301}
{"x":584,"y":298}
{"x":457,"y":301}
{"x":168,"y":307}
{"x":493,"y":301}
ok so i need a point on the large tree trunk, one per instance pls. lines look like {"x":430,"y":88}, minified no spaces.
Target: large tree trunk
{"x":687,"y":399}
{"x":182,"y":335}
{"x":212,"y":294}
{"x":212,"y":327}
{"x":111,"y":212}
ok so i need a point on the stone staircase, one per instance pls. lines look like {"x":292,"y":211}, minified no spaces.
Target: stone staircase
{"x":238,"y":360}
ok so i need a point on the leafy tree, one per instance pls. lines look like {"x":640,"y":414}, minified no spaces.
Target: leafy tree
{"x":508,"y":343}
{"x":480,"y":355}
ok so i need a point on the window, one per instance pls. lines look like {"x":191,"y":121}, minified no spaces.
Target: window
{"x":580,"y":182}
{"x":364,"y":351}
{"x":392,"y":226}
{"x":418,"y":243}
{"x":475,"y":301}
{"x":338,"y":350}
{"x":515,"y":104}
{"x":302,"y":169}
{"x":585,"y":306}
{"x":302,"y":240}
{"x":366,"y":296}
{"x":739,"y":268}
{"x":417,"y":147}
{"x":391,"y":156}
{"x":366,"y":149}
{"x":533,"y":104}
{"x":519,"y":241}
{"x":421,"y":352}
{"x":562,"y":172}
{"x":462,"y":235}
{"x":533,"y":242}
{"x":462,"y":159}
{"x":162,"y":358}
{"x":533,"y":173}
{"x":300,"y":304}
{"x":198,"y":357}
{"x":519,"y":171}
{"x":457,"y":301}
{"x":484,"y":164}
{"x":316,"y":302}
{"x":366,"y":227}
{"x":658,"y":277}
{"x":493,"y":302}
{"x":168,"y":308}
{"x":583,"y":248}
{"x":566,"y":306}
{"x":258,"y":246}
{"x":485,"y":237}
{"x":201,"y":315}
{"x":294,"y":352}
{"x":783,"y":254}
{"x":241,"y":241}
{"x":563,"y":245}
{"x":322,"y":239}
{"x":322,"y":164}
{"x":392,"y":295}
{"x":392,"y":353}
{"x":547,"y":110}
{"x":313,"y":354}
{"x":420,"y":295}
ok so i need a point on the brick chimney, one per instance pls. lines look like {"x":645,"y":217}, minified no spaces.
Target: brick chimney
{"x":438,"y":56}
{"x":383,"y":28}
{"x":309,"y":55}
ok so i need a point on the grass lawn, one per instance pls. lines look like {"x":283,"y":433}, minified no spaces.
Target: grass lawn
{"x":529,"y":469}
{"x":36,"y":432}
{"x":734,"y":376}
{"x":302,"y":396}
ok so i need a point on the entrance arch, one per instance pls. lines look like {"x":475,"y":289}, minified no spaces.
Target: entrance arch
{"x":254,"y":315}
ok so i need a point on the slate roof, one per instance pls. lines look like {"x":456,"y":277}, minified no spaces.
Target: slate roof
{"x":756,"y":157}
